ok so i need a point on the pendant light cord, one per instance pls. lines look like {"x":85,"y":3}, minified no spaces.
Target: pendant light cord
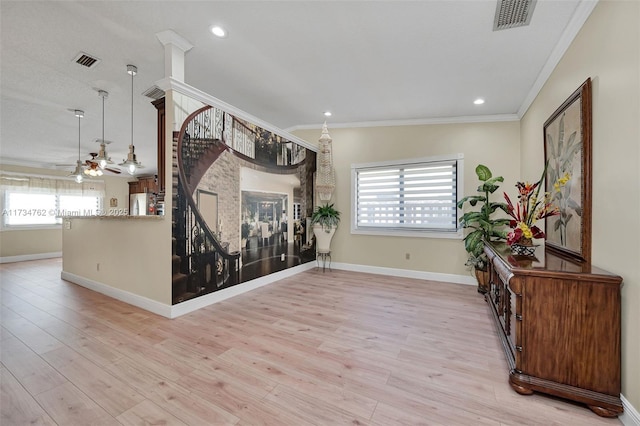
{"x":103,"y":120}
{"x":79,"y":118}
{"x":132,"y":74}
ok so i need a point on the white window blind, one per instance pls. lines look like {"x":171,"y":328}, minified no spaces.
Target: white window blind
{"x":407,"y":196}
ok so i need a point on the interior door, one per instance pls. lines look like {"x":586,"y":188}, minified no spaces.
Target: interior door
{"x":208,"y":207}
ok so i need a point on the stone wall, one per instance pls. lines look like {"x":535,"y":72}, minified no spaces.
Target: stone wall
{"x":223,"y":179}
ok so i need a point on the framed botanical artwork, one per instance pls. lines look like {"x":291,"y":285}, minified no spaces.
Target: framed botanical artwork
{"x":567,"y":151}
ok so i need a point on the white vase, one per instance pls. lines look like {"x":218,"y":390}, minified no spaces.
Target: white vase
{"x":323,"y":238}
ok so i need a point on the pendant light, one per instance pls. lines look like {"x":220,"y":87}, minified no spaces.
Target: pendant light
{"x":131,"y":162}
{"x":77,"y":173}
{"x":103,"y":159}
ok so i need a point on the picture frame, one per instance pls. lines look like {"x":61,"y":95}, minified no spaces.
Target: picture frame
{"x":567,"y":153}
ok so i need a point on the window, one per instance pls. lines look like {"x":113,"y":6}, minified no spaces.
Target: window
{"x":23,"y":209}
{"x":296,"y":211}
{"x":407,"y":198}
{"x":39,"y":201}
{"x":29,"y":209}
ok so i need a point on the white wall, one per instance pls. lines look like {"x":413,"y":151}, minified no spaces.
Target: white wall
{"x":133,"y":255}
{"x":40,"y":241}
{"x":495,"y":145}
{"x":607,"y":49}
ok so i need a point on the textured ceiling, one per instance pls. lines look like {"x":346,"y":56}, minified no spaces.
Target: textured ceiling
{"x":284,"y":62}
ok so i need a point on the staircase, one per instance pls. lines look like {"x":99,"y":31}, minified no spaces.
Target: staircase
{"x":178,"y":279}
{"x":200,"y":263}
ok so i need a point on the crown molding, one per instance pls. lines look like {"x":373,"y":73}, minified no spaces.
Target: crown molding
{"x":580,"y":16}
{"x":413,"y":122}
{"x":197,"y":94}
{"x":171,"y":37}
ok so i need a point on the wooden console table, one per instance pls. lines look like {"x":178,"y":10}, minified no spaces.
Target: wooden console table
{"x":559,"y":324}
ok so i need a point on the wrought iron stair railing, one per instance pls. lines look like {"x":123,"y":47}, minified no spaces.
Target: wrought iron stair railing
{"x":203,"y":137}
{"x":205,"y":260}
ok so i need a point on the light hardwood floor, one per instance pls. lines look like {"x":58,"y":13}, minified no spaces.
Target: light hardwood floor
{"x":316,"y":349}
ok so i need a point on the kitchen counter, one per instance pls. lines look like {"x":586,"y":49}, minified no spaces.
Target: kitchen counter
{"x":114,"y":217}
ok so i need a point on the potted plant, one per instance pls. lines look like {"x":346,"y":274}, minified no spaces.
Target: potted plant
{"x":483,"y":223}
{"x":324,"y":220}
{"x":244,"y":233}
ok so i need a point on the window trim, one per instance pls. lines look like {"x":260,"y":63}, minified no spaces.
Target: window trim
{"x":427,"y":233}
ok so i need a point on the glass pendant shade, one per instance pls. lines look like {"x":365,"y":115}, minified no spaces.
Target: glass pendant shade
{"x":102,"y":158}
{"x":131,"y":163}
{"x":77,"y":173}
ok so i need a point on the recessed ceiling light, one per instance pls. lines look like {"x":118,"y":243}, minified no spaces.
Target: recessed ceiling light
{"x":327,"y":113}
{"x":478,"y":101}
{"x":218,"y":31}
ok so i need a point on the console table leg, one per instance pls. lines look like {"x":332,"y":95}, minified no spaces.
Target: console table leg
{"x":603,"y":412}
{"x":521,"y":389}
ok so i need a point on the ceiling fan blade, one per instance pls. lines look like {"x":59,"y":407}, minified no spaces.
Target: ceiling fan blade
{"x":116,"y":171}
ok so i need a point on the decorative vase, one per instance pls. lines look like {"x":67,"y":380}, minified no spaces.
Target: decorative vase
{"x":323,"y":238}
{"x":524,"y":247}
{"x":483,"y":280}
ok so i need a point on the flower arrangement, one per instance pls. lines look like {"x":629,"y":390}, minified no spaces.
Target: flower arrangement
{"x":529,"y":209}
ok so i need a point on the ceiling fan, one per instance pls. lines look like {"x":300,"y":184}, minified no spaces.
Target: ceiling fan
{"x":93,"y":167}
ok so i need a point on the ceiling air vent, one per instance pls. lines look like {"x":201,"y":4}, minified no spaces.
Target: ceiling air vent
{"x":154,"y":92}
{"x":513,"y":13}
{"x":86,"y":60}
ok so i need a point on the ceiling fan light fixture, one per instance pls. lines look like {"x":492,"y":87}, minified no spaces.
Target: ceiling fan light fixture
{"x":93,"y":172}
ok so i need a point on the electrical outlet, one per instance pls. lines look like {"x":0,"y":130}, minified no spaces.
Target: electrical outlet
{"x":407,"y":256}
{"x":67,"y":224}
{"x":282,"y":257}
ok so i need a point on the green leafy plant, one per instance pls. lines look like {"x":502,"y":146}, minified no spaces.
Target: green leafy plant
{"x":244,"y":230}
{"x":482,"y":222}
{"x":326,"y":216}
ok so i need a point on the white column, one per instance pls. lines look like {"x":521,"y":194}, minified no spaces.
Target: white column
{"x":175,"y":46}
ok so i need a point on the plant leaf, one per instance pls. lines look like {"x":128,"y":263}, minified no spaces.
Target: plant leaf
{"x":473,"y":243}
{"x":556,"y":225}
{"x":561,"y":135}
{"x":483,"y":172}
{"x":550,"y":145}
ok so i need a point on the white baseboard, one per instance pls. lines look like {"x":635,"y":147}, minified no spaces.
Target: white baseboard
{"x":183,"y":308}
{"x":407,"y":273}
{"x":119,"y":294}
{"x":630,"y":417}
{"x":218,"y":296}
{"x":26,"y":257}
